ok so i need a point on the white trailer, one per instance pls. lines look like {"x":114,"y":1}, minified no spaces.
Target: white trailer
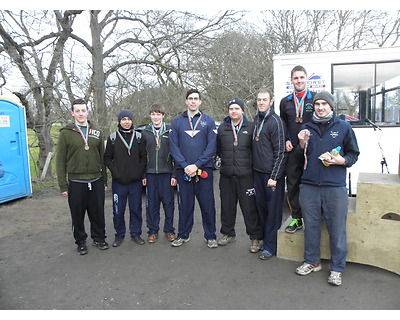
{"x":366,"y":85}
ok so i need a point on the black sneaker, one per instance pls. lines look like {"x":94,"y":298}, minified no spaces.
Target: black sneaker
{"x":138,"y":240}
{"x":102,"y":245}
{"x":117,"y":242}
{"x":295,"y":225}
{"x":82,"y":249}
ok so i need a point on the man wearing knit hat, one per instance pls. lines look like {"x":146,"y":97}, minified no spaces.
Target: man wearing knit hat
{"x":234,"y":146}
{"x":125,"y":156}
{"x":323,"y":193}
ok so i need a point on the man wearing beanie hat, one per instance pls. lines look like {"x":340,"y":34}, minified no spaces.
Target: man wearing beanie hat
{"x":295,"y":110}
{"x":125,"y":156}
{"x":234,"y":146}
{"x":323,"y":193}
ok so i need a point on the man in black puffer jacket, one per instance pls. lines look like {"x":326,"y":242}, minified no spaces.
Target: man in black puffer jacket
{"x":125,"y":156}
{"x":234,"y":146}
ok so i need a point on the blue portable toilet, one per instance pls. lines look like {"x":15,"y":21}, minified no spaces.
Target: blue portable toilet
{"x":15,"y":178}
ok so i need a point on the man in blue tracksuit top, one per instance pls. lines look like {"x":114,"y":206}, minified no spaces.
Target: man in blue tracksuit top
{"x":193,"y":143}
{"x":323,"y":193}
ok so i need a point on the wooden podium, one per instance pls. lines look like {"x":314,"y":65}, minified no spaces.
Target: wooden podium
{"x":373,"y":225}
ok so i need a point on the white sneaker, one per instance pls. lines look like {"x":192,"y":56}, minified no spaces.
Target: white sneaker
{"x":307,"y":268}
{"x":335,"y":278}
{"x":211,"y":243}
{"x":225,"y":240}
{"x":179,"y":241}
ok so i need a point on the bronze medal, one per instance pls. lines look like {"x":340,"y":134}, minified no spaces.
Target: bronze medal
{"x":86,"y":147}
{"x":236,"y":143}
{"x":297,"y":120}
{"x":257,"y":139}
{"x":157,"y":148}
{"x":301,"y":120}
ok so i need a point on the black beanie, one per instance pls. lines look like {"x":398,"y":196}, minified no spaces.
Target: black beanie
{"x":236,"y":101}
{"x":125,"y":113}
{"x":327,"y":96}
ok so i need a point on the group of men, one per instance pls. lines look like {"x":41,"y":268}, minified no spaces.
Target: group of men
{"x":256,"y":156}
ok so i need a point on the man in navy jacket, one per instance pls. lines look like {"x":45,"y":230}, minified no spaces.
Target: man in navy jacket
{"x":323,"y":193}
{"x":193,"y":143}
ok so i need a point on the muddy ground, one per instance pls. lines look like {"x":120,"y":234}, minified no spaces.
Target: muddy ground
{"x":41,"y":270}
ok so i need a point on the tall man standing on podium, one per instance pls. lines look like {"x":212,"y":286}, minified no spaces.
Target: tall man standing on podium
{"x":295,"y":110}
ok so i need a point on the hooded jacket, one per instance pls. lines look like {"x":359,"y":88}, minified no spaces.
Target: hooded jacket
{"x":236,"y":160}
{"x":125,"y":168}
{"x":73,"y":162}
{"x":337,"y":133}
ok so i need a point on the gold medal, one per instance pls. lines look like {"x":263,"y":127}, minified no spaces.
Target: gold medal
{"x":86,"y":147}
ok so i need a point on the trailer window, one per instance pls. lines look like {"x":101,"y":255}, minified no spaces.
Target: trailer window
{"x":368,"y":90}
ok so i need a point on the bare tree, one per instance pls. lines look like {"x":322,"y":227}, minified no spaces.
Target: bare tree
{"x":37,"y":60}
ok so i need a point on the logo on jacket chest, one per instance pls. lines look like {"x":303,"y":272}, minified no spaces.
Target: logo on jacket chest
{"x":334,"y":134}
{"x":94,"y":133}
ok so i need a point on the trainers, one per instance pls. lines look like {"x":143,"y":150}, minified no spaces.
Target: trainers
{"x":117,"y":242}
{"x":211,"y":243}
{"x":265,"y":255}
{"x":255,"y":246}
{"x":295,"y":225}
{"x":225,"y":240}
{"x":170,"y":236}
{"x":307,"y":268}
{"x":82,"y":249}
{"x":335,"y":278}
{"x":102,"y":245}
{"x":152,"y":238}
{"x":138,"y":240}
{"x":179,"y":241}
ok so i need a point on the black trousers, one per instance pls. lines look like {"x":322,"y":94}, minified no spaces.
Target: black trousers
{"x":88,"y":197}
{"x":232,"y":190}
{"x":294,"y":171}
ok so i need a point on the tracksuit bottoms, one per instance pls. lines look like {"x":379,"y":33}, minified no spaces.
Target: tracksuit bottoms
{"x":203,"y":190}
{"x":82,"y":197}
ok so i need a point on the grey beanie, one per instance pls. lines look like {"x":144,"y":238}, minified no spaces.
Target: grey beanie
{"x":327,"y":96}
{"x":236,"y":101}
{"x":125,"y":113}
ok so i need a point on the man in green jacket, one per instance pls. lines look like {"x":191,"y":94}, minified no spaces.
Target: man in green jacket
{"x":82,"y":176}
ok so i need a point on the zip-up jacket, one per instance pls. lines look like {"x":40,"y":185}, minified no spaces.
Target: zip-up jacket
{"x":158,"y":161}
{"x":269,"y":153}
{"x":236,"y":161}
{"x":287,"y":112}
{"x":196,"y":146}
{"x":125,"y":168}
{"x":73,"y":162}
{"x":338,"y":133}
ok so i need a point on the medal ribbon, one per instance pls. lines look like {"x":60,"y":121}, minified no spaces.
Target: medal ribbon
{"x":261,"y":125}
{"x":124,"y":141}
{"x":85,"y":137}
{"x":157,"y":134}
{"x":236,"y":129}
{"x":197,"y":122}
{"x":299,"y":105}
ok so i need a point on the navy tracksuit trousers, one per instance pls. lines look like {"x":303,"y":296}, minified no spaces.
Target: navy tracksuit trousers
{"x":159,"y":190}
{"x":122,"y":193}
{"x":270,"y":207}
{"x":203,"y":190}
